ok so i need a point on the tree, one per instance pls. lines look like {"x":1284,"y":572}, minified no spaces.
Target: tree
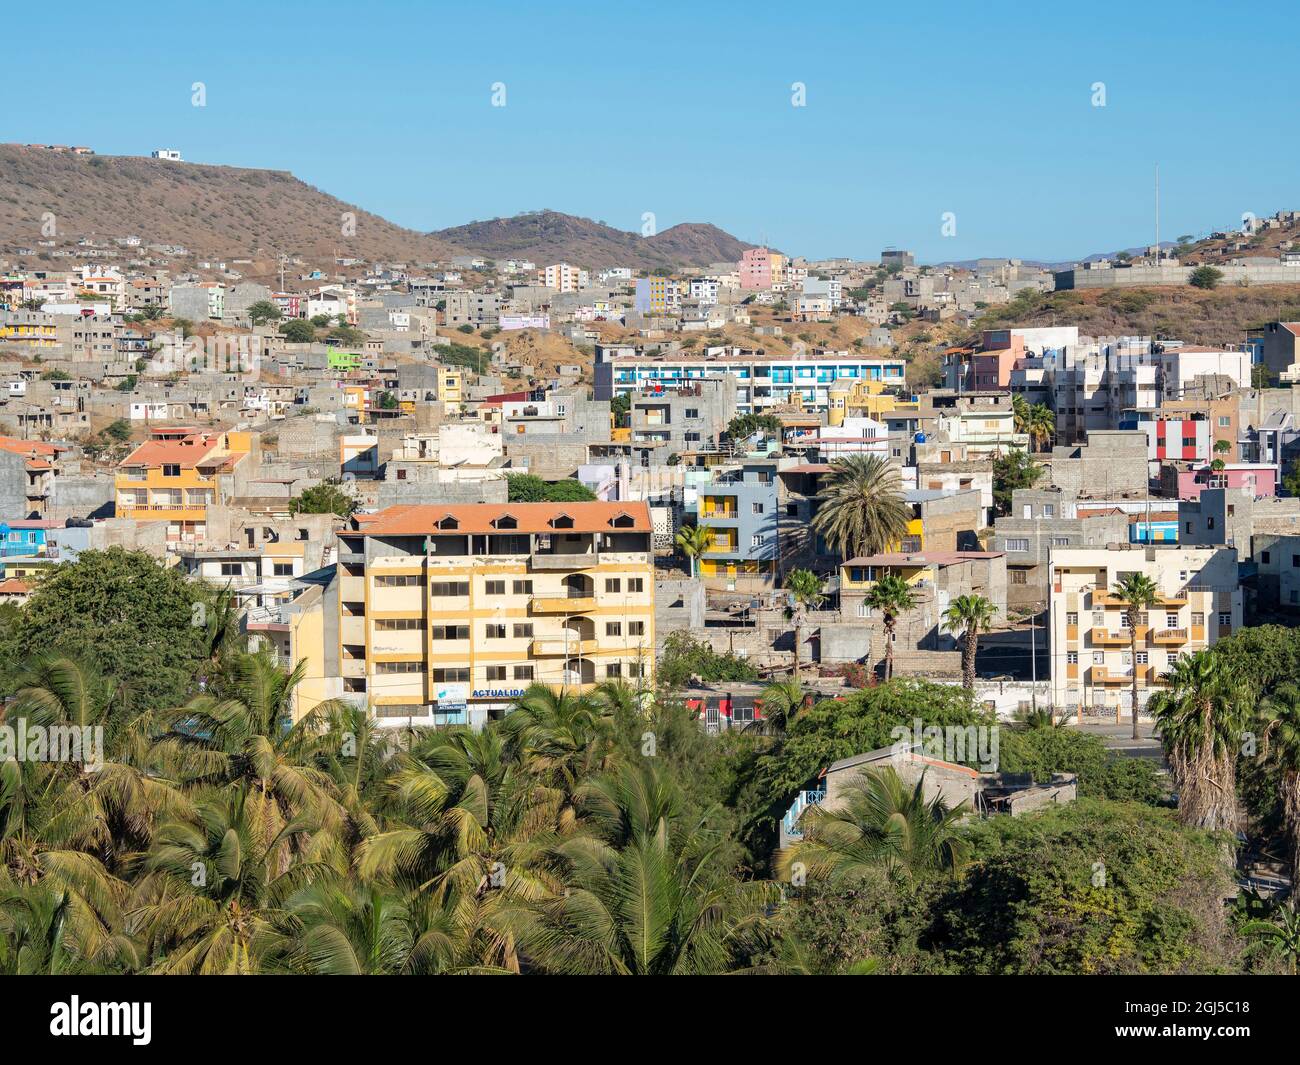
{"x":529,"y":488}
{"x":1200,"y":717}
{"x":324,"y":498}
{"x":880,"y":824}
{"x":892,"y":596}
{"x":263,"y":311}
{"x":1282,"y":937}
{"x":781,"y":703}
{"x":1020,"y":413}
{"x":743,"y":426}
{"x":806,"y":594}
{"x":969,"y":614}
{"x":118,"y":430}
{"x":693,"y":541}
{"x":1012,"y":471}
{"x":862,"y":511}
{"x":1280,"y":714}
{"x":1040,"y":425}
{"x":387,"y":401}
{"x":298,"y":331}
{"x":620,"y":409}
{"x":1205,"y":277}
{"x":1140,"y":594}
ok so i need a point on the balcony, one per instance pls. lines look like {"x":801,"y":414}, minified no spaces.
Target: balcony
{"x":1106,"y":638}
{"x":558,"y":646}
{"x":559,"y":560}
{"x":1168,"y":637}
{"x":805,"y":799}
{"x":575,"y":604}
{"x":1101,"y":675}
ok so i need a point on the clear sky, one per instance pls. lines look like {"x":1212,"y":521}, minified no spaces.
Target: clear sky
{"x":614,"y":109}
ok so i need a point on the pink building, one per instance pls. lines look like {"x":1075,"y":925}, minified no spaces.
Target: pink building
{"x":1258,"y":480}
{"x":755,"y":269}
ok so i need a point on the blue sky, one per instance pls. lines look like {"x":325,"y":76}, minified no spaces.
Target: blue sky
{"x":684,"y":110}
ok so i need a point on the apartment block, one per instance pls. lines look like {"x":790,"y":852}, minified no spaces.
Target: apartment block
{"x":448,"y":613}
{"x":1092,"y":662}
{"x":739,"y":505}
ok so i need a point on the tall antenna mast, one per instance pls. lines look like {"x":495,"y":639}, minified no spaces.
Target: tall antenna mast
{"x":1157,"y":214}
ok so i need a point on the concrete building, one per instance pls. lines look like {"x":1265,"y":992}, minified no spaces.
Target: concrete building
{"x":739,"y":503}
{"x":1092,"y":666}
{"x":448,"y":613}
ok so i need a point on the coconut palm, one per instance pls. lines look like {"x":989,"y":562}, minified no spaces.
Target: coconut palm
{"x":1280,"y":712}
{"x":892,"y":596}
{"x":805,"y":590}
{"x":1140,"y":594}
{"x":1040,"y":424}
{"x":1020,"y":413}
{"x":1201,"y":716}
{"x":969,"y":614}
{"x":862,"y":511}
{"x":645,"y":891}
{"x":879,"y":825}
{"x":782,"y":702}
{"x":693,"y":541}
{"x":559,"y":736}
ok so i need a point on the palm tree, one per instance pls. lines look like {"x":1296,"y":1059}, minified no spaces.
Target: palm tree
{"x":1140,"y":594}
{"x":881,"y":825}
{"x":969,"y":614}
{"x":1040,"y":425}
{"x":1281,"y":734}
{"x":782,"y":702}
{"x":692,"y":541}
{"x":892,"y":596}
{"x":806,"y":594}
{"x":863,"y":511}
{"x":1020,"y":413}
{"x":645,"y":890}
{"x":1200,"y":718}
{"x":1282,"y":937}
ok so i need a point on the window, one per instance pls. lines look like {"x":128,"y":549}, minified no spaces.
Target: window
{"x":1142,"y":658}
{"x":398,"y":624}
{"x":1209,"y":521}
{"x":1171,"y":621}
{"x":757,"y":508}
{"x":636,"y":669}
{"x":1225,"y":421}
{"x":1198,"y":619}
{"x":451,"y":676}
{"x":398,"y":580}
{"x":756,"y":540}
{"x":171,"y":469}
{"x":613,"y":628}
{"x":1099,"y":619}
{"x":496,"y":672}
{"x":524,"y":631}
{"x":401,"y":475}
{"x":1225,"y":618}
{"x":692,"y":412}
{"x":450,"y":632}
{"x":1017,"y":543}
{"x":1049,"y":510}
{"x":449,"y":588}
{"x":1123,"y":620}
{"x":614,"y":670}
{"x":636,"y":628}
{"x":523,"y":672}
{"x":1264,"y":557}
{"x":1295,"y":561}
{"x":1072,"y":618}
{"x":636,"y":585}
{"x":495,"y":587}
{"x":494,"y":631}
{"x":399,"y":667}
{"x":1060,"y":541}
{"x":1071,"y":658}
{"x":232,"y":569}
{"x":1098,"y":658}
{"x":613,"y":584}
{"x":1018,"y":576}
{"x":523,"y":587}
{"x":282,"y":569}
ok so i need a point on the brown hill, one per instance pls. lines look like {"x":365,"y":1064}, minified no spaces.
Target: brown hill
{"x":227,"y":211}
{"x":549,"y":236}
{"x":212,"y":210}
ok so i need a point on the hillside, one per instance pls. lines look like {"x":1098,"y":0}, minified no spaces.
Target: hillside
{"x":549,"y":236}
{"x":228,"y":212}
{"x":212,"y":210}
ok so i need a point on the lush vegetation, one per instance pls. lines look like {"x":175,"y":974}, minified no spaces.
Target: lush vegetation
{"x":603,"y":832}
{"x":528,"y":488}
{"x":324,"y":498}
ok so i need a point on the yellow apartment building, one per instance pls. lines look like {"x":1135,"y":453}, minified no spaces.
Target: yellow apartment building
{"x":28,"y":329}
{"x":1092,"y":661}
{"x":176,"y":475}
{"x":448,"y":613}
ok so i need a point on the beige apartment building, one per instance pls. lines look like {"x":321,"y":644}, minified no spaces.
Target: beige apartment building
{"x":1092,"y":660}
{"x":449,"y":612}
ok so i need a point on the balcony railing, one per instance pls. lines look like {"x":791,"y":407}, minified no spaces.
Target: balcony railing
{"x":559,"y":560}
{"x":1169,"y":637}
{"x":571,"y":604}
{"x":804,"y":800}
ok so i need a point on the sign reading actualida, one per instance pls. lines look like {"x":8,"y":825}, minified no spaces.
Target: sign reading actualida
{"x":25,"y":742}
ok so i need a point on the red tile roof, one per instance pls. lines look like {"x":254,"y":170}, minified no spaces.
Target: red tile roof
{"x":186,"y":453}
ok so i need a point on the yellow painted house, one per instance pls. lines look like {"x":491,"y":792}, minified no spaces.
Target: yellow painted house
{"x":176,"y":475}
